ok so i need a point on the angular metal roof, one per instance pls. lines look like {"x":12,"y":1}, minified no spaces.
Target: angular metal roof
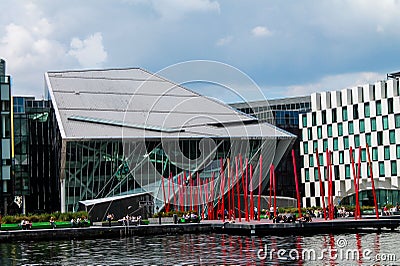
{"x":133,"y":103}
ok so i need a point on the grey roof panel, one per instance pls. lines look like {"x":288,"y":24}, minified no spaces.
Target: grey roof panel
{"x":122,"y":96}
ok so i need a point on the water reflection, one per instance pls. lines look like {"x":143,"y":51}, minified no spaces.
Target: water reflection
{"x":206,"y":250}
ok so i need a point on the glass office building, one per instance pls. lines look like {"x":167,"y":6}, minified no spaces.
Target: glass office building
{"x":285,"y":113}
{"x":353,"y":118}
{"x":5,"y":140}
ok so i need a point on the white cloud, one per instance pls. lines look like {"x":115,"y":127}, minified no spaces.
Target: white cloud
{"x":90,"y":51}
{"x":224,"y":41}
{"x":260,"y":31}
{"x":335,"y":82}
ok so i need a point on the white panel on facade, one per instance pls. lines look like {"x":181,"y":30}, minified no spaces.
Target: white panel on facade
{"x":325,"y":100}
{"x":5,"y":148}
{"x":368,"y":93}
{"x":5,"y":92}
{"x":315,"y":101}
{"x":346,"y":97}
{"x":5,"y":171}
{"x":335,"y":99}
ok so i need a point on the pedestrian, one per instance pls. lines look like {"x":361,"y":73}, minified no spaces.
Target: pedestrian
{"x":52,"y":222}
{"x":109,"y":219}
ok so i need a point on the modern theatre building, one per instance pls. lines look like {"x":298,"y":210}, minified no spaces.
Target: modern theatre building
{"x":353,"y":118}
{"x":123,"y":132}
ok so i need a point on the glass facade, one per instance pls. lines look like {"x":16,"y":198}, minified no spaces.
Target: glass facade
{"x":383,"y":197}
{"x":5,"y":142}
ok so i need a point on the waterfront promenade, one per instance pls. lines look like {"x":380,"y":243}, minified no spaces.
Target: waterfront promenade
{"x":263,"y":227}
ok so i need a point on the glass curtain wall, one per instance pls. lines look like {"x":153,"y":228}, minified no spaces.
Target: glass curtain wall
{"x":104,"y":168}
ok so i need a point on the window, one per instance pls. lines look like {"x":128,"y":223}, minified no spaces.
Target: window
{"x":357,"y":141}
{"x":379,"y":137}
{"x":310,"y":160}
{"x":393,"y":165}
{"x":363,"y":155}
{"x":397,"y":120}
{"x":387,"y":152}
{"x":344,"y":113}
{"x":314,"y":119}
{"x":398,"y":151}
{"x":346,"y":142}
{"x":307,"y":172}
{"x":347,"y":169}
{"x":304,"y":120}
{"x":324,"y":117}
{"x":315,"y":145}
{"x":366,"y":110}
{"x":325,"y":144}
{"x":316,"y":177}
{"x":340,"y":129}
{"x":381,"y":169}
{"x":305,"y":146}
{"x":390,"y":106}
{"x":335,"y":144}
{"x":319,"y":132}
{"x":368,"y":138}
{"x":341,"y":157}
{"x":373,"y":124}
{"x":374,"y":154}
{"x":392,"y":137}
{"x":309,"y":134}
{"x":334,"y":115}
{"x":351,"y":128}
{"x":362,"y":126}
{"x":378,"y":108}
{"x":321,"y":159}
{"x":355,"y":111}
{"x":385,"y":122}
{"x":329,"y":130}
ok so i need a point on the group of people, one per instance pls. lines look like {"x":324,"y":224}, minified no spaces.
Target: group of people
{"x":25,"y":224}
{"x":79,"y":222}
{"x":191,"y":217}
{"x":390,"y":211}
{"x":130,"y":220}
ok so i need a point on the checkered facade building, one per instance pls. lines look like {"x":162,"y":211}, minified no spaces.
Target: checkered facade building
{"x":351,"y":118}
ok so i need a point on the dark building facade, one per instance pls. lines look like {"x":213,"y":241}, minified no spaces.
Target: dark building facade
{"x":286,"y":115}
{"x":35,"y":155}
{"x":5,"y":140}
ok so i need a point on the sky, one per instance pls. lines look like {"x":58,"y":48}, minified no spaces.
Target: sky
{"x":287,"y":47}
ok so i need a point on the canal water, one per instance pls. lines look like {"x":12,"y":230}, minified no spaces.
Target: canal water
{"x":210,"y":249}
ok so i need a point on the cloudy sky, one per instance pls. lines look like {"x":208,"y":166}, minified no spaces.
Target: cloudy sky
{"x":287,"y":47}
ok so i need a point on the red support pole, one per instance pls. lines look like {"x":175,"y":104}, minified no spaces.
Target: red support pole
{"x":329,"y":185}
{"x":196,"y":195}
{"x":251,"y":193}
{"x":297,"y":183}
{"x":330,"y":180}
{"x":212,"y":195}
{"x":372,"y":183}
{"x":173,"y":191}
{"x":246,"y":204}
{"x":321,"y":185}
{"x":273,"y":174}
{"x":222,"y":190}
{"x":163,"y":190}
{"x":358,"y":183}
{"x":169,"y":193}
{"x":191,"y":191}
{"x":354,"y":182}
{"x":184,"y":191}
{"x":270,"y":188}
{"x":259,"y":190}
{"x":238,"y":190}
{"x":179,"y":194}
{"x":229,"y":188}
